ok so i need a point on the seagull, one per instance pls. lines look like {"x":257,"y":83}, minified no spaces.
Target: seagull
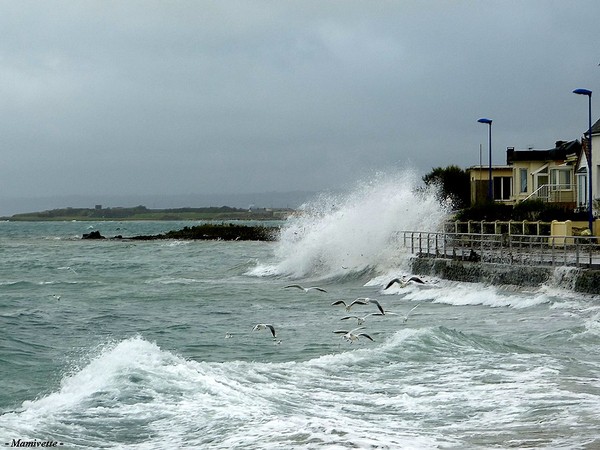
{"x":264,"y":326}
{"x":352,"y":336}
{"x":368,"y":300}
{"x":404,"y":283}
{"x":413,"y":308}
{"x":305,"y":289}
{"x":56,"y":297}
{"x":355,"y":302}
{"x":362,"y":319}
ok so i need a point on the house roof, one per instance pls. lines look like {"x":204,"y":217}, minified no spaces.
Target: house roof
{"x":595,"y":128}
{"x":561,"y":152}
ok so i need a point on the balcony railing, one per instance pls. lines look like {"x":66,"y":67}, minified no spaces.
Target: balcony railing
{"x":554,"y":193}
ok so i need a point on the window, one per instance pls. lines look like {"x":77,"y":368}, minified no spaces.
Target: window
{"x":560,"y":179}
{"x":502,"y":188}
{"x":523,"y":178}
{"x":582,"y":187}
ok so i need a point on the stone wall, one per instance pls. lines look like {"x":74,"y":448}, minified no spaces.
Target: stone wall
{"x":579,"y":280}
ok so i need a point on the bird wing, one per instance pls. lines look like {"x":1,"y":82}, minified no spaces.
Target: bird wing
{"x":293,"y":286}
{"x":413,"y":308}
{"x":272,"y":328}
{"x":416,"y":280}
{"x":367,"y":336}
{"x":395,"y":280}
{"x":341,"y":332}
{"x":355,"y":330}
{"x":378,"y":306}
{"x":350,"y":317}
{"x":339,"y":302}
{"x":317,"y":289}
{"x":359,"y":301}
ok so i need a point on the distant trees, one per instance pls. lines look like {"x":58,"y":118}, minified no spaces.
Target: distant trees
{"x":453,"y":183}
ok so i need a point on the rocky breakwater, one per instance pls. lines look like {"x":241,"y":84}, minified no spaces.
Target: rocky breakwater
{"x":215,"y":232}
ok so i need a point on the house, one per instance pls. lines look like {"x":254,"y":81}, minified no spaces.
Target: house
{"x":548,"y":175}
{"x":581,"y":170}
{"x":502,"y":183}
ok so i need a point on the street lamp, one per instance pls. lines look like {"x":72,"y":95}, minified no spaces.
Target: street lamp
{"x":489,"y":122}
{"x":589,"y":156}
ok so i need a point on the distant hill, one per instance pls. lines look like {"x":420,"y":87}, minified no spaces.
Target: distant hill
{"x":143,"y":213}
{"x":271,"y":200}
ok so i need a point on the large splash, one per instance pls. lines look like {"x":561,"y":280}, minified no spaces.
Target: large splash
{"x":356,"y":231}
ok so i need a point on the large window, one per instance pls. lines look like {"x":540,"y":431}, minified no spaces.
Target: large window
{"x":523,"y":180}
{"x":502,"y":188}
{"x":560,"y":179}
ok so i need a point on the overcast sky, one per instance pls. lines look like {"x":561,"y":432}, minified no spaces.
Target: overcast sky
{"x":177,"y":97}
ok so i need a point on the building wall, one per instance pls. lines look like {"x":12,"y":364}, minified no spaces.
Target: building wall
{"x":479,"y":177}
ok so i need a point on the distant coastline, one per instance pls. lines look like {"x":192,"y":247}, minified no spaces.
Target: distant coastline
{"x":142,"y":213}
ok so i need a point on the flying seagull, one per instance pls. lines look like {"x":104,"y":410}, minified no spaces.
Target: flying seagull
{"x":352,"y":335}
{"x":305,"y":289}
{"x":362,"y":319}
{"x":264,"y":326}
{"x":412,"y":309}
{"x":404,"y":283}
{"x":355,"y":302}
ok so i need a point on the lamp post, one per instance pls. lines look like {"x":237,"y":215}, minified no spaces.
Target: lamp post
{"x":489,"y":122}
{"x":589,"y":156}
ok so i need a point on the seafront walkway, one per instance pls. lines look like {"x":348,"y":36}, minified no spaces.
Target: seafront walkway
{"x":507,"y":249}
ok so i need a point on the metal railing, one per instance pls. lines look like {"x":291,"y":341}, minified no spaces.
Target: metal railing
{"x":522,"y":227}
{"x":533,"y":250}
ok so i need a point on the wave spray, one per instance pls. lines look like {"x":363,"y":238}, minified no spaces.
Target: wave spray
{"x":356,"y":231}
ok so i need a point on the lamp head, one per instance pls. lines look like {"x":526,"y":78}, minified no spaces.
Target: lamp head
{"x":484,"y":120}
{"x":583,"y":92}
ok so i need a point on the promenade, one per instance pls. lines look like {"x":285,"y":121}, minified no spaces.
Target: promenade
{"x":571,"y":262}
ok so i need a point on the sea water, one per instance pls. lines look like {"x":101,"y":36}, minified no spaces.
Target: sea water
{"x":150,"y":345}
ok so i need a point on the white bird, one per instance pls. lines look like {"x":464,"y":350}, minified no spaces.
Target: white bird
{"x":355,"y":302}
{"x":264,"y":326}
{"x":56,"y":297}
{"x":412,"y":309}
{"x":316,"y":288}
{"x":404,"y":283}
{"x":352,"y":335}
{"x":361,"y":320}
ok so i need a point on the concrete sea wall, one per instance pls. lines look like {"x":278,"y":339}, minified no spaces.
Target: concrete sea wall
{"x":572,"y":278}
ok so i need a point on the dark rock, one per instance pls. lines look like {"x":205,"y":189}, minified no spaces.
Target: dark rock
{"x":93,"y":235}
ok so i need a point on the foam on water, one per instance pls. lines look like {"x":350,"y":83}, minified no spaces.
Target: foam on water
{"x":137,"y":395}
{"x":355,"y":231}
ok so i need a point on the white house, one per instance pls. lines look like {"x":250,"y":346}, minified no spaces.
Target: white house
{"x":582,"y":170}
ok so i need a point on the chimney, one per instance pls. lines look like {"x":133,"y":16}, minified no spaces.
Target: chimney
{"x":510,"y":154}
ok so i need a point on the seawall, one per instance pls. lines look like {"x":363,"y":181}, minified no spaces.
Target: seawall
{"x":572,"y":278}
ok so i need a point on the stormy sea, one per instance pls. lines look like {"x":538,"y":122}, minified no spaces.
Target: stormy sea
{"x":118,"y":344}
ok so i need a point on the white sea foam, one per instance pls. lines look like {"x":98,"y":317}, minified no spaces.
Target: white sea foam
{"x":378,"y":396}
{"x":355,"y":231}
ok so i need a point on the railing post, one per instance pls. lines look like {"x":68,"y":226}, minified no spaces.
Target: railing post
{"x":445,"y":236}
{"x":428,"y":250}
